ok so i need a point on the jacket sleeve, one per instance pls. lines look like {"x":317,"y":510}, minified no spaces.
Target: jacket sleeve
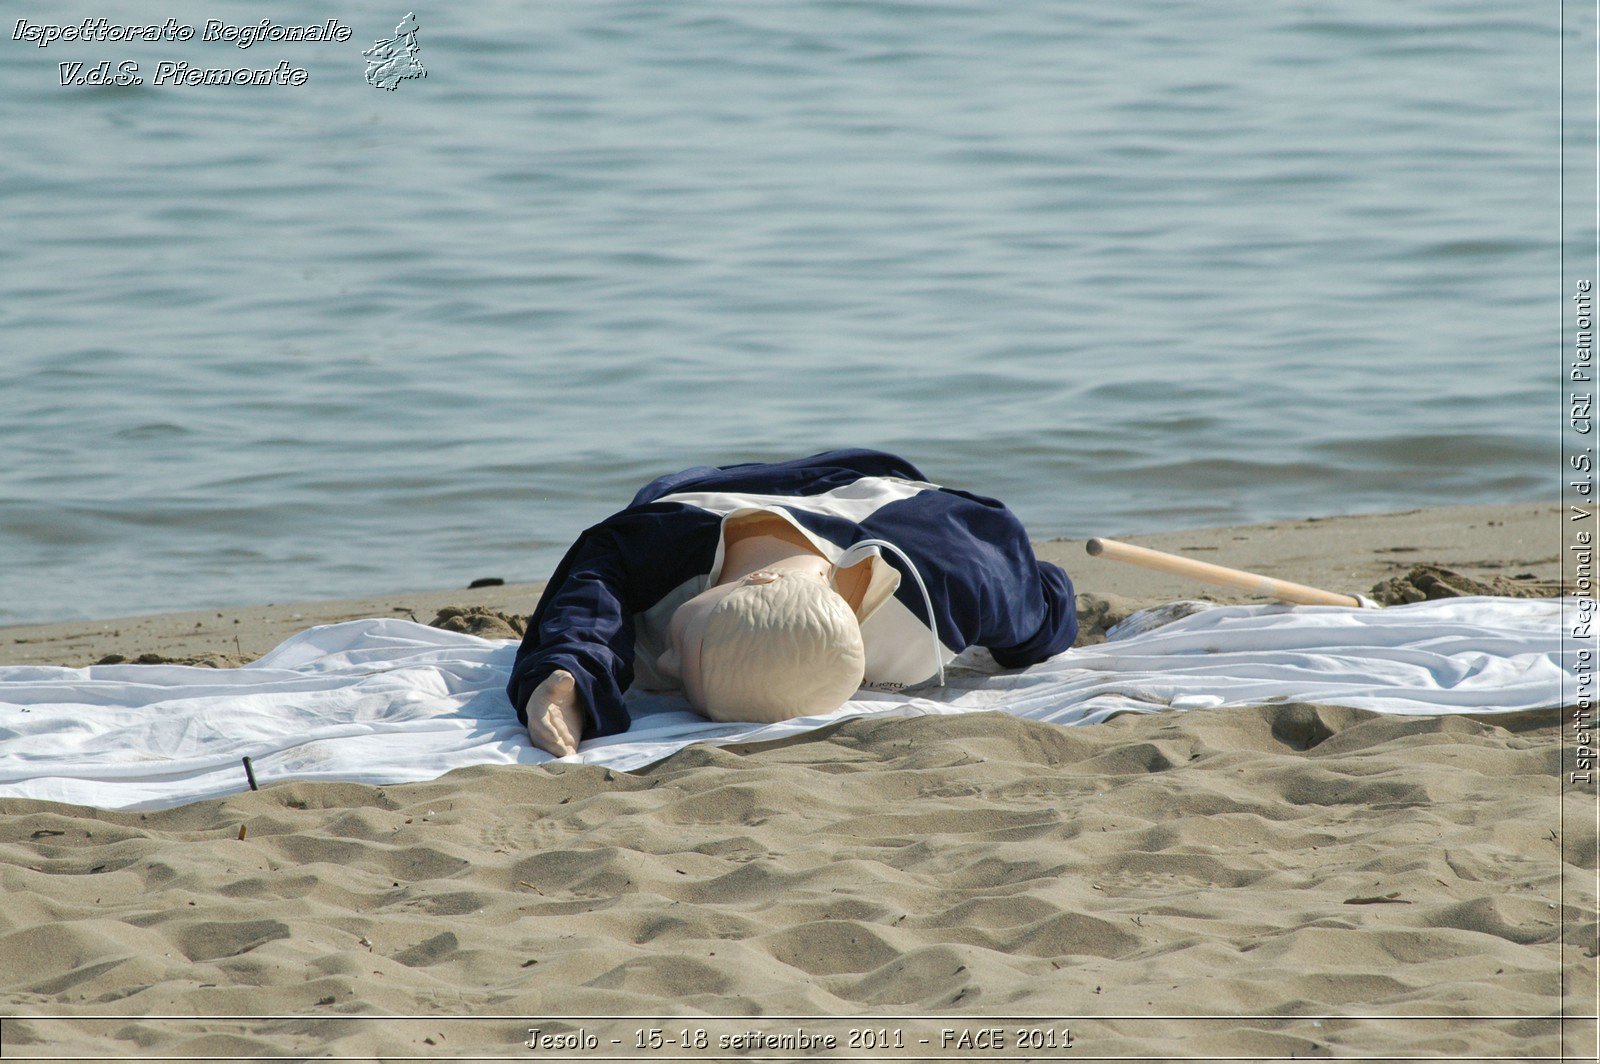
{"x":1027,"y":610}
{"x":584,"y":620}
{"x":1051,"y":603}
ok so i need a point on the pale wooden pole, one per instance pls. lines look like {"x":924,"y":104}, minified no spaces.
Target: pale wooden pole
{"x":1217,"y":574}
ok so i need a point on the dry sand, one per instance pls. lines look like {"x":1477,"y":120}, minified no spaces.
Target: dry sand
{"x":1323,"y":878}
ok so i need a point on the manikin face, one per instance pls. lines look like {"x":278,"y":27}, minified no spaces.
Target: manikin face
{"x":687,"y":628}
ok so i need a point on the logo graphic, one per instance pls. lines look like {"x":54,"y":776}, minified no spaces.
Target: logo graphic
{"x":392,"y":61}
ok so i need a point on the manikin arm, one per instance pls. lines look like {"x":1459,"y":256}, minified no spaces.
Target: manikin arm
{"x":583,"y":625}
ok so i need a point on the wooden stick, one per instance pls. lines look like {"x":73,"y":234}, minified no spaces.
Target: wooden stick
{"x":1217,"y":574}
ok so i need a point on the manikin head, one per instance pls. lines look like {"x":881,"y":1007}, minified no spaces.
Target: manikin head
{"x":776,"y":644}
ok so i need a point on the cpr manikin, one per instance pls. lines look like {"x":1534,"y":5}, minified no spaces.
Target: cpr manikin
{"x":770,"y":590}
{"x":775,"y":637}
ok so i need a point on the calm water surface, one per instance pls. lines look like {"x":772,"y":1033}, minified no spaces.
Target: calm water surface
{"x":1127,"y":266}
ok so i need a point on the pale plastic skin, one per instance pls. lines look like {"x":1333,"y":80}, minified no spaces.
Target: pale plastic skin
{"x":757,"y":549}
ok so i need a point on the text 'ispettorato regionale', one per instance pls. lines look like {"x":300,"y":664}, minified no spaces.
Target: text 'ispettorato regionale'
{"x":177,"y":72}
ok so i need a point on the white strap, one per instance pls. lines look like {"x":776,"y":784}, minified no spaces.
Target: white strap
{"x":850,"y":557}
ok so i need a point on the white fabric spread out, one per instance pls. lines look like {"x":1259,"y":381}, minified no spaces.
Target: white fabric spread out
{"x":387,"y":701}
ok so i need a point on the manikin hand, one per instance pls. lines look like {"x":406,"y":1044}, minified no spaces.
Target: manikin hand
{"x":555,"y":719}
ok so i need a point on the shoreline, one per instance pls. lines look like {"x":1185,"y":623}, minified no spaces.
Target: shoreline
{"x":1287,"y":859}
{"x":1348,"y":554}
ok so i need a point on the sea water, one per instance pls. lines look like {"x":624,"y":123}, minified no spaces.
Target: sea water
{"x":1127,"y":266}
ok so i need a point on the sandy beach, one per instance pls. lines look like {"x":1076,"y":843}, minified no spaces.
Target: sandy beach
{"x":1324,"y":881}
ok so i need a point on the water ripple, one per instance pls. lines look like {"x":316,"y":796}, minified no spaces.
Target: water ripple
{"x":1126,"y":267}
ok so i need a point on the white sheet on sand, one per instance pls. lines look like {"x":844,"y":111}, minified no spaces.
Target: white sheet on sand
{"x":387,"y":701}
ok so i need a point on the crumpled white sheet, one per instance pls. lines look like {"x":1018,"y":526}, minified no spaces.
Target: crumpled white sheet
{"x":387,"y":701}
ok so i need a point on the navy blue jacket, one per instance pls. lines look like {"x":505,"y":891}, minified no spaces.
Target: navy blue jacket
{"x":605,"y":609}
